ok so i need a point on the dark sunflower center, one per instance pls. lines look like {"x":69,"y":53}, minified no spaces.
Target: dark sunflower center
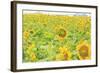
{"x":62,"y":33}
{"x":66,"y":56}
{"x":83,"y":51}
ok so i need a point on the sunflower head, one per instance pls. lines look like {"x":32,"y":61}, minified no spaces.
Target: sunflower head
{"x":30,"y":55}
{"x":33,"y":56}
{"x":26,"y":34}
{"x":83,"y":50}
{"x":32,"y":45}
{"x":64,"y":54}
{"x":61,"y":33}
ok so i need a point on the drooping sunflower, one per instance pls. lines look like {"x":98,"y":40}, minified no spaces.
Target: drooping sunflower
{"x":64,"y":54}
{"x":84,"y":51}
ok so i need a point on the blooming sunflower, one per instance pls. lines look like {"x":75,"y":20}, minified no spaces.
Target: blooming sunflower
{"x":26,"y":34}
{"x":29,"y":49}
{"x":64,"y":54}
{"x":60,"y":57}
{"x":33,"y":56}
{"x":84,"y":51}
{"x":61,"y":33}
{"x":30,"y":55}
{"x":31,"y":46}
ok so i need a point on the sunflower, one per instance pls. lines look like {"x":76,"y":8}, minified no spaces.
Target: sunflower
{"x":33,"y":56}
{"x":64,"y":54}
{"x":61,"y":33}
{"x":29,"y":49}
{"x":59,"y":57}
{"x":26,"y":34}
{"x":83,"y":23}
{"x":31,"y":46}
{"x":83,"y":50}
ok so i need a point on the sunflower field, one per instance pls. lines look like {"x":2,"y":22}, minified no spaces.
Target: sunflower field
{"x":48,"y":37}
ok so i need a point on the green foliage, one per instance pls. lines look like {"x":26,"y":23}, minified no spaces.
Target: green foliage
{"x":44,"y":34}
